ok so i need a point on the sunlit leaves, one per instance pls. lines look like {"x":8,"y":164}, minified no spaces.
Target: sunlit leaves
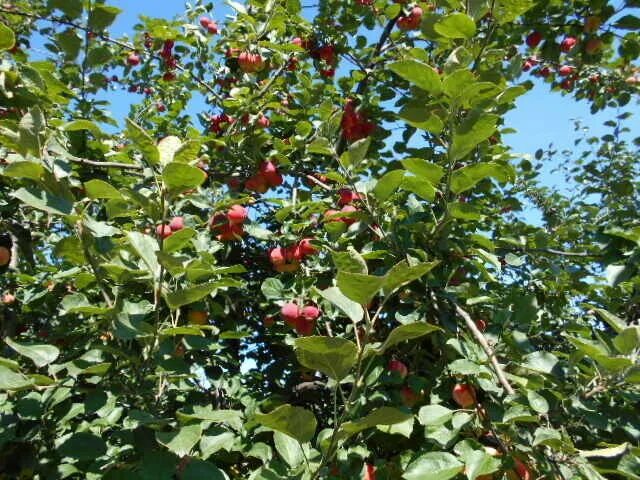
{"x":296,"y":422}
{"x":335,"y":357}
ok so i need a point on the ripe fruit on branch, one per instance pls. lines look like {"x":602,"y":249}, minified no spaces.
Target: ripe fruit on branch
{"x":306,"y":248}
{"x":269,"y":171}
{"x":464,"y":395}
{"x":520,"y":471}
{"x":257,"y":183}
{"x":285,"y":259}
{"x":8,"y":298}
{"x":176,"y":223}
{"x":250,"y":62}
{"x":226,"y":231}
{"x":409,"y":397}
{"x":481,"y":324}
{"x":349,"y":209}
{"x":533,"y":39}
{"x":237,"y":214}
{"x":290,"y":313}
{"x":396,"y":366}
{"x":355,"y":125}
{"x":593,"y":46}
{"x":197,"y":317}
{"x":263,"y":121}
{"x":163,"y":230}
{"x":219,"y":122}
{"x":565,"y":70}
{"x":348,"y":196}
{"x":209,"y":25}
{"x":5,"y":256}
{"x":567,"y":44}
{"x":411,"y":21}
{"x":133,"y":59}
{"x":369,"y":472}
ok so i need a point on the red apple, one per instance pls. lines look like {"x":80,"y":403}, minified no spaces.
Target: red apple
{"x":310,"y":312}
{"x":568,"y":43}
{"x":133,"y":59}
{"x":534,"y":39}
{"x":290,"y":313}
{"x":464,"y":395}
{"x":593,"y":46}
{"x":257,"y":183}
{"x":481,"y":324}
{"x":306,"y":248}
{"x":411,"y":21}
{"x":565,"y":70}
{"x":176,"y":223}
{"x":396,"y":366}
{"x":369,"y":472}
{"x":304,"y":326}
{"x":237,"y":214}
{"x":163,"y":231}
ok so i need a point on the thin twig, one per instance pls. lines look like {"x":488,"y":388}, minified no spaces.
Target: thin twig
{"x":97,"y":163}
{"x":487,"y":349}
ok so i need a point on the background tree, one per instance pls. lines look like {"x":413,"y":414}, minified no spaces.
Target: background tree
{"x":331,"y":270}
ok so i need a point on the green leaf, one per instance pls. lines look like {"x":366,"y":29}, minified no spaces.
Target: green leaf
{"x":434,"y":415}
{"x":100,"y":189}
{"x":628,"y":340}
{"x":423,"y":188}
{"x":401,"y":274}
{"x":358,"y":287}
{"x":7,"y":38}
{"x":349,"y":261}
{"x":402,"y":333}
{"x":379,"y":416}
{"x":356,"y":153}
{"x":613,"y":321}
{"x":101,"y":16}
{"x":79,"y":125}
{"x":168,"y":147}
{"x":421,"y":117}
{"x":423,"y":169}
{"x":289,"y":449}
{"x":71,"y":8}
{"x":199,"y":469}
{"x":146,"y":247}
{"x":188,"y":152}
{"x":207,"y":413}
{"x":45,"y":201}
{"x":83,"y":446}
{"x":464,"y":211}
{"x":333,"y":356}
{"x":467,"y":177}
{"x":610,"y":452}
{"x":351,"y":309}
{"x":480,"y":463}
{"x":296,"y":422}
{"x":98,"y":56}
{"x":456,"y":25}
{"x":31,"y":131}
{"x":419,"y":74}
{"x":388,"y":184}
{"x":507,"y":11}
{"x":210,"y":444}
{"x":544,"y":362}
{"x":546,"y":436}
{"x":473,"y":130}
{"x":433,"y":466}
{"x":192,"y":294}
{"x":182,"y":440}
{"x":40,"y":354}
{"x":628,"y":22}
{"x":537,"y":402}
{"x":178,"y":240}
{"x":272,"y":289}
{"x":180,"y":177}
{"x":70,"y":42}
{"x":143,"y":142}
{"x":320,"y":146}
{"x":10,"y":380}
{"x":31,"y":170}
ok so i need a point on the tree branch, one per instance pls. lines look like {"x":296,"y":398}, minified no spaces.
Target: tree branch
{"x":487,"y":349}
{"x":97,"y":163}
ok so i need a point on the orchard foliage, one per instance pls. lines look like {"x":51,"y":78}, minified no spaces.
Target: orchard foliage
{"x":307,"y":252}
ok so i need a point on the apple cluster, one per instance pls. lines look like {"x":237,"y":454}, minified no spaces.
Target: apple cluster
{"x":288,"y":259}
{"x":229,"y":226}
{"x":347,"y":198}
{"x":266,"y":177}
{"x":165,"y":230}
{"x":355,"y":124}
{"x":302,"y":319}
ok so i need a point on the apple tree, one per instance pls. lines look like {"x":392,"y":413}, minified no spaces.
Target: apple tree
{"x":308,"y":251}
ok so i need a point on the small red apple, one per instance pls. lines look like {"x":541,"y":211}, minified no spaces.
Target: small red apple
{"x":593,"y":46}
{"x":464,"y":395}
{"x":163,"y":230}
{"x":565,"y":70}
{"x":176,"y":223}
{"x":481,"y":324}
{"x":567,"y":44}
{"x":369,"y":472}
{"x":310,"y":312}
{"x":133,"y":59}
{"x":237,"y":214}
{"x":290,"y":313}
{"x":306,"y":248}
{"x":411,"y":21}
{"x":396,"y":366}
{"x":533,"y":39}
